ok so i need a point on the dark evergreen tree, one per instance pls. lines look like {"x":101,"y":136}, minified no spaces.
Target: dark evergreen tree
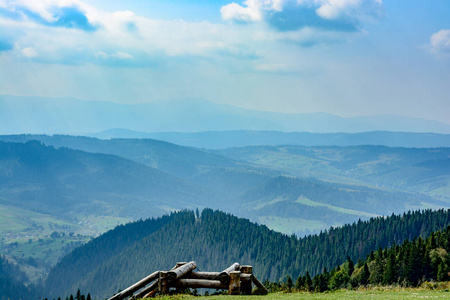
{"x":299,"y":283}
{"x":308,"y":282}
{"x":351,"y":266}
{"x":365,"y":275}
{"x":289,"y":283}
{"x":390,"y":272}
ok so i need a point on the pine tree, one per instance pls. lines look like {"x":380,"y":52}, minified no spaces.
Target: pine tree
{"x":299,"y":283}
{"x":365,"y":275}
{"x":442,"y":273}
{"x":351,"y":266}
{"x":289,"y":283}
{"x":390,"y":272}
{"x":308,"y":282}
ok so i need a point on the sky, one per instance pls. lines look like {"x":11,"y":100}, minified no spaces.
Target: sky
{"x":345,"y":57}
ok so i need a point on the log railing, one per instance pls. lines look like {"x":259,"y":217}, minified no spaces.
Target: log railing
{"x":236,"y":279}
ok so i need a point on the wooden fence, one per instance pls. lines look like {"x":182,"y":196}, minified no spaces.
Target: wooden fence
{"x":236,"y":279}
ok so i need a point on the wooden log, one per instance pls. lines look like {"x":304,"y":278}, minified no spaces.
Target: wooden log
{"x":202,"y":275}
{"x":224,"y":276}
{"x":163,"y":284}
{"x":246,"y":285}
{"x":150,"y":294}
{"x":233,"y":267}
{"x":260,"y":286}
{"x":200,"y":284}
{"x":235,"y":283}
{"x":145,"y":291}
{"x":180,"y":271}
{"x":135,"y":287}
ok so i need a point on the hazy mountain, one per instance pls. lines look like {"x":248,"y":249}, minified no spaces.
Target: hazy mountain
{"x":67,"y":182}
{"x":68,"y":115}
{"x":224,"y":178}
{"x":178,"y":160}
{"x":410,"y":169}
{"x":242,"y":138}
{"x":215,"y":240}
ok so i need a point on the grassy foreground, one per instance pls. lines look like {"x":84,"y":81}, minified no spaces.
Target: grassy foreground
{"x":382,"y":293}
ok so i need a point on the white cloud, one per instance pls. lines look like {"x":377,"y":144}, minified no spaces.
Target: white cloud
{"x":29,"y":52}
{"x":335,"y":9}
{"x":440,"y":41}
{"x":122,"y":55}
{"x":256,"y":10}
{"x":253,"y":10}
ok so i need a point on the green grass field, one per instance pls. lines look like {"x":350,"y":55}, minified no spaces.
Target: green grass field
{"x":381,"y":293}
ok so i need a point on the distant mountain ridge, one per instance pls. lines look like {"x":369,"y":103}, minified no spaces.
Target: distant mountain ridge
{"x":73,"y":116}
{"x":243,"y":138}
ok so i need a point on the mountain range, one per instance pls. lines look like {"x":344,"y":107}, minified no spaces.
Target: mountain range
{"x":72,"y":116}
{"x":242,"y":138}
{"x":293,"y":189}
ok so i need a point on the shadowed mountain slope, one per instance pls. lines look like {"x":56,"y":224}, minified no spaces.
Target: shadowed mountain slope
{"x":66,"y":182}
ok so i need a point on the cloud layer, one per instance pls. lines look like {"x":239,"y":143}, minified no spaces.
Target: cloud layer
{"x":74,"y":32}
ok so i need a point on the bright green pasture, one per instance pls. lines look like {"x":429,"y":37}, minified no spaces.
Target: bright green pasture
{"x":360,"y":294}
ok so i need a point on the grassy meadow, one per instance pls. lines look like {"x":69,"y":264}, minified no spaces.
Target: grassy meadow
{"x":375,"y":293}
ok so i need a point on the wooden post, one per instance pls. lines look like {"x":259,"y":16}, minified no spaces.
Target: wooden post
{"x":135,"y":287}
{"x":235,"y":283}
{"x":163,"y":285}
{"x":180,"y":271}
{"x":246,"y":286}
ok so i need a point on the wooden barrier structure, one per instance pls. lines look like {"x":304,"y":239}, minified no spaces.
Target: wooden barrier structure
{"x":236,"y":279}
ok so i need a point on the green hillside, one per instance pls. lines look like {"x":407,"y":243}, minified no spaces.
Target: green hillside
{"x":215,"y":239}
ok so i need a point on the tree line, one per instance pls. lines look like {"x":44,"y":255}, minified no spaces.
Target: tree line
{"x":409,"y":264}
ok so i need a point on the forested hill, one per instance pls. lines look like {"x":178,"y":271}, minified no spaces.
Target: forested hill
{"x":215,"y":240}
{"x":66,"y":182}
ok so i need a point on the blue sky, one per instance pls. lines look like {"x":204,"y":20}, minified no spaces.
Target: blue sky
{"x":346,"y":57}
